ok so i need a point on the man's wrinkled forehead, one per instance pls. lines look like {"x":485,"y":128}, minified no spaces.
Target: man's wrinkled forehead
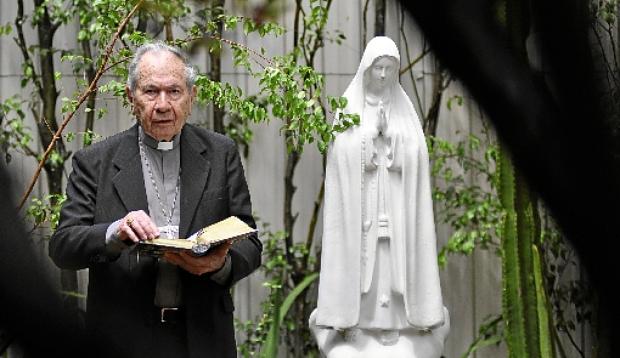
{"x":157,"y":66}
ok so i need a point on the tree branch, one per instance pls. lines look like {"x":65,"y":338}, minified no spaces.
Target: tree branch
{"x":313,"y":221}
{"x":296,"y":37}
{"x":83,"y":97}
{"x":613,"y":46}
{"x":611,"y":72}
{"x":364,"y":23}
{"x":425,"y":52}
{"x":318,"y":39}
{"x":21,"y":43}
{"x":412,"y":63}
{"x":234,"y":43}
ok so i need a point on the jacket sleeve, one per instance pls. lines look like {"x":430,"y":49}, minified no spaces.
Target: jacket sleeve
{"x":77,"y":242}
{"x":245,"y":254}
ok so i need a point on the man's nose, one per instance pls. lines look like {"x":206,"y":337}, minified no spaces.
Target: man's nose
{"x":383,"y":73}
{"x":162,"y":102}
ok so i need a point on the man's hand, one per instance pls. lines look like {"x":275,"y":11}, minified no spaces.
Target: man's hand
{"x":199,"y":265}
{"x":137,"y":226}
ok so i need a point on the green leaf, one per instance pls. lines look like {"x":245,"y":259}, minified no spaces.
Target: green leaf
{"x":270,"y":349}
{"x":6,"y":29}
{"x":70,"y":136}
{"x":488,"y":334}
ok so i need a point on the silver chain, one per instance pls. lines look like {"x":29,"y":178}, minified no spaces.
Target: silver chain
{"x":167,"y":216}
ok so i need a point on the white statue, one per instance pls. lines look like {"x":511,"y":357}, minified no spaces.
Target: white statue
{"x":379,"y":292}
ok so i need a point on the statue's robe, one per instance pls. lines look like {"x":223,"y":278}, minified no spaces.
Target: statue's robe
{"x":347,"y":259}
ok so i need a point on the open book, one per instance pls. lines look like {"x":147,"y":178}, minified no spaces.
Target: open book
{"x":200,"y":242}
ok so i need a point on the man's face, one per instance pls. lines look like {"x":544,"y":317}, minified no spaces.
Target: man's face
{"x":161,"y":100}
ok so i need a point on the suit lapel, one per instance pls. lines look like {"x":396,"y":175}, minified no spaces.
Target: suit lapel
{"x":194,"y":174}
{"x":129,"y":180}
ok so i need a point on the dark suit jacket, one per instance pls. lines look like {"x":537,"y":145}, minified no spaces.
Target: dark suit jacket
{"x":106,"y":183}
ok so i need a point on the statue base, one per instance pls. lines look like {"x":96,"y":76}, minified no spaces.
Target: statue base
{"x":363,"y":343}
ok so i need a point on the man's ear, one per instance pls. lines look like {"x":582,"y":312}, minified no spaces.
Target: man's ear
{"x":194,"y":92}
{"x":129,"y":94}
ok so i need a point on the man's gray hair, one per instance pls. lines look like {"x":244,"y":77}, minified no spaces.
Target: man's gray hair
{"x":190,"y":71}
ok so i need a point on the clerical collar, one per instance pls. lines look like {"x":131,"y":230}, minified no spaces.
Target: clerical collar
{"x":159,"y":145}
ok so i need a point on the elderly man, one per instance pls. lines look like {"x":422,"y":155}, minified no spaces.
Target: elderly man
{"x":160,"y":177}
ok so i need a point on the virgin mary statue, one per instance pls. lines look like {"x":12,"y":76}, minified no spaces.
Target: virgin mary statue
{"x":379,"y":274}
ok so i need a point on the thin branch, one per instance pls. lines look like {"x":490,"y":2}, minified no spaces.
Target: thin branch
{"x":313,"y":221}
{"x":47,"y":124}
{"x":21,"y":43}
{"x":168,"y":28}
{"x":116,"y":63}
{"x":55,"y":25}
{"x":575,"y":345}
{"x":296,"y":37}
{"x":613,"y":45}
{"x":318,"y":40}
{"x":302,"y":38}
{"x":26,"y":149}
{"x":415,"y":61}
{"x":558,"y":343}
{"x":412,"y":63}
{"x":234,"y":43}
{"x":447,"y":80}
{"x":364,"y":23}
{"x":316,"y":45}
{"x":89,"y":74}
{"x":83,"y":97}
{"x":212,"y":37}
{"x":599,"y":40}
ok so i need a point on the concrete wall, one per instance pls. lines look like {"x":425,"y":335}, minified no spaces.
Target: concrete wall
{"x":471,"y":285}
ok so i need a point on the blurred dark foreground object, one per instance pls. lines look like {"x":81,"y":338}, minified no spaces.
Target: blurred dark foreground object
{"x":31,"y":310}
{"x":555,"y":126}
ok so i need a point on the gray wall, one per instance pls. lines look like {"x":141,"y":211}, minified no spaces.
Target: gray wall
{"x":471,"y":285}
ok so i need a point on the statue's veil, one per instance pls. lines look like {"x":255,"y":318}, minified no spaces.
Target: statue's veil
{"x":340,"y":277}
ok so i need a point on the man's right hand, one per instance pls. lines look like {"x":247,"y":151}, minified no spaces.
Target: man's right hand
{"x":137,"y":226}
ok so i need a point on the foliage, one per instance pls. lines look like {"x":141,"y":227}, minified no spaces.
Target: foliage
{"x":291,"y":93}
{"x":604,"y":30}
{"x":274,"y":268}
{"x":262,"y":334}
{"x":466,"y":193}
{"x":282,"y":81}
{"x":14,"y":133}
{"x":294,"y":94}
{"x":490,"y":333}
{"x":473,"y":211}
{"x":288,"y":92}
{"x":6,"y":29}
{"x":571,"y":298}
{"x":239,"y":128}
{"x":46,"y":210}
{"x":524,"y":307}
{"x":272,"y":341}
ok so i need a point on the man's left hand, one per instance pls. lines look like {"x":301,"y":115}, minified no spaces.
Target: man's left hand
{"x":199,"y":265}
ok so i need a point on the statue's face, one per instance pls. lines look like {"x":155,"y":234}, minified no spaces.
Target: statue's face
{"x":161,"y":101}
{"x":382,"y":74}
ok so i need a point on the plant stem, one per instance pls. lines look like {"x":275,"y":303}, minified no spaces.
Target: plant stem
{"x":215,"y":60}
{"x":83,"y":97}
